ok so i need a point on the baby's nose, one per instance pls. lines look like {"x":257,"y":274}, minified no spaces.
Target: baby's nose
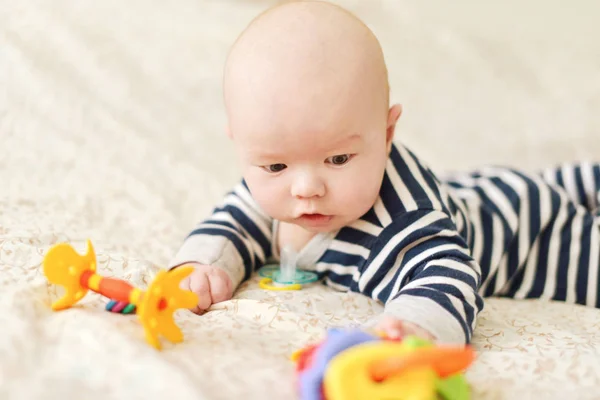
{"x":308,"y":186}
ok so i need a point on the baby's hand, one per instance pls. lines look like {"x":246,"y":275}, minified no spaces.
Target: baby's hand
{"x":397,"y":329}
{"x":211,"y":285}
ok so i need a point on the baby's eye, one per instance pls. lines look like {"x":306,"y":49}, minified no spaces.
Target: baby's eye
{"x":274,"y":168}
{"x":339,"y":159}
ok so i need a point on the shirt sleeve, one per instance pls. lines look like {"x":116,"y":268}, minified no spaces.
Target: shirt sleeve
{"x":421,"y":269}
{"x":236,"y":237}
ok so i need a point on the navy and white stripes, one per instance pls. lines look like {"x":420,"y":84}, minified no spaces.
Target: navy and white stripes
{"x":535,"y":235}
{"x":241,"y":222}
{"x":430,"y":250}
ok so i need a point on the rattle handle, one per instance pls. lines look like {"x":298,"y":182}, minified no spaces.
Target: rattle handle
{"x":112,"y":288}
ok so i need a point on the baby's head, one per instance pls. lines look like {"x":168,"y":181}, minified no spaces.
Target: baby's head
{"x":307,"y":101}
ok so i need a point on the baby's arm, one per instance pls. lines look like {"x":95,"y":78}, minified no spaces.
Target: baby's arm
{"x":421,"y":268}
{"x":226,"y":247}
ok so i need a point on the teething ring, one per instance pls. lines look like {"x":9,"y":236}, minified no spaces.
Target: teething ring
{"x":267,"y":283}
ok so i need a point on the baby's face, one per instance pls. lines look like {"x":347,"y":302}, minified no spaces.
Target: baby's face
{"x":307,"y":103}
{"x":319,"y":166}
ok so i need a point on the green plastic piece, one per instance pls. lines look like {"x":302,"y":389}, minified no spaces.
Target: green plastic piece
{"x":130,"y":308}
{"x":415,"y":342}
{"x":454,"y":387}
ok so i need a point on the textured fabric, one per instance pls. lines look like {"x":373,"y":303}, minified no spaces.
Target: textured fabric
{"x":111,"y":128}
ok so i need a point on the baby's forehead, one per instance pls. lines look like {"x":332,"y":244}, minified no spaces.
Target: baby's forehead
{"x":308,"y":114}
{"x":308,"y":49}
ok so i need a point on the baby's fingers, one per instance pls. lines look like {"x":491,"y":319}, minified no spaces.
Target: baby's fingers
{"x":393,"y":328}
{"x":185,"y":283}
{"x":220,"y":286}
{"x":199,"y":284}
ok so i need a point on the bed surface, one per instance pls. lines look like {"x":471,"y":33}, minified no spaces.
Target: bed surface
{"x":111,"y":128}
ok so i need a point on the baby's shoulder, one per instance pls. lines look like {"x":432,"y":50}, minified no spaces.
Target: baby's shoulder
{"x":409,"y":184}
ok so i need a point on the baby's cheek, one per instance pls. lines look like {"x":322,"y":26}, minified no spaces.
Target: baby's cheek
{"x":359,"y":191}
{"x":269,"y":196}
{"x":270,"y":205}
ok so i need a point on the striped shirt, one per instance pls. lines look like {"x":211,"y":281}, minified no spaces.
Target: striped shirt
{"x":431,"y":249}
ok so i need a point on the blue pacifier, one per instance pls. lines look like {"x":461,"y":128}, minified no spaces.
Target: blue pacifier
{"x":285,"y":276}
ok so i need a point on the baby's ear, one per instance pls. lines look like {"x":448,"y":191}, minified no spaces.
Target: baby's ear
{"x":393,"y":116}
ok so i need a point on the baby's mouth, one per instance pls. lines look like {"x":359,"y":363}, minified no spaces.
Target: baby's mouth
{"x":313,"y":216}
{"x":315,"y":219}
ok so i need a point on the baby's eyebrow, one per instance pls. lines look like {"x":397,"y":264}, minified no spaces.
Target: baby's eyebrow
{"x":348,"y":139}
{"x":354,"y":136}
{"x":268,"y":151}
{"x":261,"y":155}
{"x":266,"y":156}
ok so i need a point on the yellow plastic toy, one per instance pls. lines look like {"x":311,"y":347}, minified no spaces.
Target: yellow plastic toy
{"x":349,"y":377}
{"x":155,"y":307}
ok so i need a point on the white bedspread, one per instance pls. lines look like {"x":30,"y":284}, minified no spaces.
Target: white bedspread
{"x":111,"y":128}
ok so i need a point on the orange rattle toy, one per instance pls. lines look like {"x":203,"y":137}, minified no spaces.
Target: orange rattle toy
{"x":155,"y":307}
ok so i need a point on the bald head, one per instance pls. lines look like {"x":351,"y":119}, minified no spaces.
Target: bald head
{"x":304,"y":57}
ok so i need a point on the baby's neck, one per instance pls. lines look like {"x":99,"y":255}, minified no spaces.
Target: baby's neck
{"x":294,"y":236}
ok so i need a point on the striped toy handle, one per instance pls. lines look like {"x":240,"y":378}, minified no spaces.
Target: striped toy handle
{"x":118,"y":291}
{"x":120,"y":307}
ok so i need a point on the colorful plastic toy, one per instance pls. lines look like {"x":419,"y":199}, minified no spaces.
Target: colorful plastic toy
{"x":155,"y":307}
{"x":355,"y":365}
{"x":120,"y":307}
{"x":286,"y":276}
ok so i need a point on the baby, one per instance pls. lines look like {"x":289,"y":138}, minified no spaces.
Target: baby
{"x":307,"y":101}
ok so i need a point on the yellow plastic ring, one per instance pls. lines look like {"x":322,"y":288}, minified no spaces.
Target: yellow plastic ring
{"x":266,"y":283}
